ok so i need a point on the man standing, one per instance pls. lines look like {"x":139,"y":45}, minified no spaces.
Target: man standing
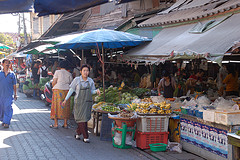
{"x":8,"y":89}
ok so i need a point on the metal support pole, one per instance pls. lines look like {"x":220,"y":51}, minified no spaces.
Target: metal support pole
{"x":103,"y":72}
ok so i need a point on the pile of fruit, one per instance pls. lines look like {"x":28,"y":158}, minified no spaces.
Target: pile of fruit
{"x":126,"y":114}
{"x":110,"y":108}
{"x":151,"y":108}
{"x":126,"y":98}
{"x":99,"y":105}
{"x":149,"y":100}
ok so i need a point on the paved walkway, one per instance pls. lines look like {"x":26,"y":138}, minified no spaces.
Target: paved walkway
{"x":29,"y":137}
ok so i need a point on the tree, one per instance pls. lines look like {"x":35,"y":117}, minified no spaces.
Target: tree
{"x":7,"y":40}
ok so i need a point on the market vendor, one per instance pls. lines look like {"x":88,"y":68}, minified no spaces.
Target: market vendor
{"x":167,"y":85}
{"x":194,"y":82}
{"x":84,"y":88}
{"x":231,"y":81}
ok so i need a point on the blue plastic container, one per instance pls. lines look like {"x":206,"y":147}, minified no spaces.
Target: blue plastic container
{"x":191,"y":112}
{"x":199,"y":114}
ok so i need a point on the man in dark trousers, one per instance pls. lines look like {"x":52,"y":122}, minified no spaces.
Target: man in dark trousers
{"x":8,"y":91}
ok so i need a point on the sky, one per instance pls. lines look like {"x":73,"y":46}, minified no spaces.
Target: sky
{"x":9,"y":23}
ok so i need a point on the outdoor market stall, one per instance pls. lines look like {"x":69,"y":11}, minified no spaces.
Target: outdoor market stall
{"x":205,"y":125}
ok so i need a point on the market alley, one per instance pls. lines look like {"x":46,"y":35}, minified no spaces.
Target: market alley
{"x":29,"y":137}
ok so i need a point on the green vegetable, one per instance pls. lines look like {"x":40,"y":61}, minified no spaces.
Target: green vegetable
{"x":238,"y":133}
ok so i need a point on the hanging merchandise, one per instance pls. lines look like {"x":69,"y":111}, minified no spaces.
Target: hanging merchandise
{"x":204,"y":65}
{"x":183,"y":66}
{"x":136,"y":66}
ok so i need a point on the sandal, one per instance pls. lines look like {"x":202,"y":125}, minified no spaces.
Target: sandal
{"x":53,"y":127}
{"x":6,"y":125}
{"x":66,"y":127}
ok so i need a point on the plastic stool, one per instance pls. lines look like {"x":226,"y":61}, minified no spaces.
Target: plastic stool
{"x":124,"y":131}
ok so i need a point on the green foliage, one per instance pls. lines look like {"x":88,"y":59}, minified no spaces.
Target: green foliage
{"x":139,"y":91}
{"x":7,"y":40}
{"x":111,"y":95}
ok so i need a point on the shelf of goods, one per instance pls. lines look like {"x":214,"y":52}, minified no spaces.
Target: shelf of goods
{"x":204,"y":138}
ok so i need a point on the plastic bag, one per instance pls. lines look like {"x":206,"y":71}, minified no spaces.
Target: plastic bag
{"x":157,"y":99}
{"x":191,"y":103}
{"x":203,"y":101}
{"x":222,"y":103}
{"x":175,"y":146}
{"x":118,"y":139}
{"x":235,"y":107}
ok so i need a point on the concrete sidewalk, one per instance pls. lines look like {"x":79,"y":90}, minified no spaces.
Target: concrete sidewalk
{"x":29,"y":138}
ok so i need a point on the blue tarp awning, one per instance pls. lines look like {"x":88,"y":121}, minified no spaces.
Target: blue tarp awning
{"x":15,"y":6}
{"x":46,"y":7}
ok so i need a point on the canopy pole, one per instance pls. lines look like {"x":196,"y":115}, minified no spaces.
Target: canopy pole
{"x":75,"y":54}
{"x":103,"y":72}
{"x":82,"y":61}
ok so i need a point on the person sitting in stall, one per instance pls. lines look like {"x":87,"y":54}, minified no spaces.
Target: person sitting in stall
{"x":136,"y":78}
{"x":194,"y":82}
{"x":231,"y":81}
{"x":222,"y":74}
{"x":167,"y":85}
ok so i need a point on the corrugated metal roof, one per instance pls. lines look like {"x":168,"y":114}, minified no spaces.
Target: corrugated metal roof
{"x":185,"y":4}
{"x":67,"y":23}
{"x":183,"y":15}
{"x":195,"y":3}
{"x":178,"y":39}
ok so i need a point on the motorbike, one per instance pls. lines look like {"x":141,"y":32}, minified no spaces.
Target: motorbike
{"x":47,"y":93}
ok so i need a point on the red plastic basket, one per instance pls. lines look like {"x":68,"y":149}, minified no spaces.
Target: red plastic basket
{"x":145,"y":138}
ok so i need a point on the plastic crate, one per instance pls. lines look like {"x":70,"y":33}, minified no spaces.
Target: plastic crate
{"x":199,"y":114}
{"x":209,"y":115}
{"x":106,"y":128}
{"x":191,"y":112}
{"x":228,"y":117}
{"x":152,"y":123}
{"x":184,"y":110}
{"x":143,"y":139}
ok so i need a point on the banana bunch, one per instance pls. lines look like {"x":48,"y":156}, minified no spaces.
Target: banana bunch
{"x":168,"y":111}
{"x":132,"y":106}
{"x":160,"y":112}
{"x":140,"y":110}
{"x":153,"y":110}
{"x":146,"y":100}
{"x":98,"y":105}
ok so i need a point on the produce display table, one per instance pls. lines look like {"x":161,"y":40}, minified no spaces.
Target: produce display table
{"x":234,"y":140}
{"x":97,"y":117}
{"x":206,"y":139}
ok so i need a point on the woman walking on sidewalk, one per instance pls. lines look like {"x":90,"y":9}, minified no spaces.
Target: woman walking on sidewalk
{"x":61,"y":81}
{"x":84,"y":88}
